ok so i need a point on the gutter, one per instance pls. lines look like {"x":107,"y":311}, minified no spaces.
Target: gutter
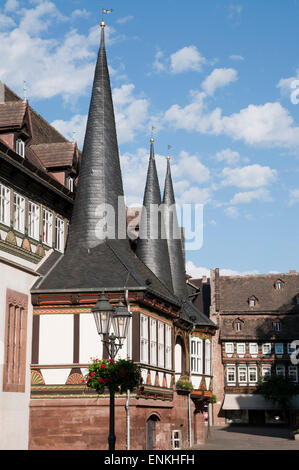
{"x":189,"y":396}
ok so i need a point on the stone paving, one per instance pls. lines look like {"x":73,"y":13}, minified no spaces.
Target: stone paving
{"x":249,"y":438}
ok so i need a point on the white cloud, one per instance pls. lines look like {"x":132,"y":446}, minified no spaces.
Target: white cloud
{"x":261,"y":195}
{"x":158,"y":64}
{"x":80,"y":13}
{"x":11,"y":5}
{"x":124,"y":19}
{"x":219,"y":78}
{"x":236,"y":57}
{"x":231,"y":212}
{"x":189,"y":166}
{"x":251,"y":176}
{"x":293,"y":196}
{"x":75,"y":128}
{"x":185,"y":59}
{"x":228,"y":156}
{"x":195,"y":195}
{"x":6,"y":22}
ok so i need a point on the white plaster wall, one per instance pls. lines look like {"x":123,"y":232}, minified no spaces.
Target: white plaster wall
{"x":90,"y":341}
{"x":56,"y":339}
{"x":14,"y":407}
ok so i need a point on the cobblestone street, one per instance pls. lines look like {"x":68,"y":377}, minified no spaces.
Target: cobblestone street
{"x":249,"y":438}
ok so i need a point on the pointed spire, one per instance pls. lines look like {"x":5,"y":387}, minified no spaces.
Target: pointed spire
{"x":100,"y":180}
{"x":174,"y":238}
{"x":152,"y":246}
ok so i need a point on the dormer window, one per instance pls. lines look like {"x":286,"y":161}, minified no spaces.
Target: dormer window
{"x":252,"y":302}
{"x":278,"y":284}
{"x":277,"y":326}
{"x":69,"y":181}
{"x":20,"y":147}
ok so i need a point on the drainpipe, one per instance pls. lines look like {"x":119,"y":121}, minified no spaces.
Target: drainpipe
{"x":127,"y":406}
{"x":189,"y":396}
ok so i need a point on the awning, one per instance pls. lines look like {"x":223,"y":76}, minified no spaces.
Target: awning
{"x":235,"y":401}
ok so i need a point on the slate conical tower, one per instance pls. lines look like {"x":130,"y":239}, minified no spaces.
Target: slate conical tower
{"x":100,"y":181}
{"x":152,"y":246}
{"x":174,"y":240}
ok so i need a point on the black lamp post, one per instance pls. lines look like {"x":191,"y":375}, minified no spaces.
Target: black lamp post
{"x":107,"y":316}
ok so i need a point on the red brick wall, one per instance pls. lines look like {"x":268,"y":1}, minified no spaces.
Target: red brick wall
{"x":81,"y":424}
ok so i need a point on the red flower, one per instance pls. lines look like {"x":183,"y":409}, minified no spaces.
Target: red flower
{"x":83,"y":380}
{"x":103,"y":365}
{"x":111,"y":361}
{"x":92,"y":374}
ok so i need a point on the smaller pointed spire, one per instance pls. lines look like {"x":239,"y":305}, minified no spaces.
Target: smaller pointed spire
{"x":152,"y":246}
{"x":174,"y":240}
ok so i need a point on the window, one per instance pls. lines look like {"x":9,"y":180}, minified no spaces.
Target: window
{"x":19,"y":212}
{"x":291,"y":348}
{"x":297,"y":300}
{"x":176,"y":439}
{"x":278,"y":285}
{"x":280,"y":370}
{"x":59,"y":234}
{"x":168,"y":348}
{"x":4,"y":205}
{"x":266,"y":370}
{"x":208,"y":357}
{"x":241,"y":348}
{"x":231,"y":374}
{"x":242,"y":374}
{"x":277,"y":326}
{"x":160,"y":344}
{"x":238,"y":326}
{"x":252,"y":374}
{"x":278,"y":348}
{"x":196,"y":355}
{"x":266,"y":348}
{"x":47,"y":227}
{"x":14,"y":368}
{"x":252,"y":302}
{"x":253,"y":348}
{"x":229,"y":348}
{"x":20,"y":147}
{"x":153,"y":342}
{"x":293,"y":373}
{"x":33,"y":220}
{"x":144,"y":339}
{"x":69,"y":182}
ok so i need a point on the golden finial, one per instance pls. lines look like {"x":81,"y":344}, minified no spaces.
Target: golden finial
{"x":152,"y":136}
{"x":168,"y":156}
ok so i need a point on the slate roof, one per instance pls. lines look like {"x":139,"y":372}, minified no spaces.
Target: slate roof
{"x":55,"y":154}
{"x":191,"y":313}
{"x":236,"y":290}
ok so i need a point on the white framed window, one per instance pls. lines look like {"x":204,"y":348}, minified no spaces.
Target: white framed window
{"x":252,"y":374}
{"x":242,"y":374}
{"x":153,"y":342}
{"x":207,"y":357}
{"x":266,"y":348}
{"x":253,"y":349}
{"x":280,"y":370}
{"x":241,"y":348}
{"x":144,"y":339}
{"x":4,"y":205}
{"x":238,"y":326}
{"x":69,"y":183}
{"x":47,"y":227}
{"x":20,"y":147}
{"x":293,"y":373}
{"x":229,"y":348}
{"x":278,"y":348}
{"x":291,"y":348}
{"x":231,"y":374}
{"x":176,"y":439}
{"x":278,"y":285}
{"x":161,"y":348}
{"x":19,"y":212}
{"x":33,"y":220}
{"x":252,"y":302}
{"x":266,"y":370}
{"x":59,"y":234}
{"x":196,"y":355}
{"x":168,"y":347}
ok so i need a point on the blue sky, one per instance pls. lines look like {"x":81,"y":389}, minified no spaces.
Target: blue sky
{"x":214,"y":78}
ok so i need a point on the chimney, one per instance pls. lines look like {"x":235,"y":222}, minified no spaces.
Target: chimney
{"x":292,"y":271}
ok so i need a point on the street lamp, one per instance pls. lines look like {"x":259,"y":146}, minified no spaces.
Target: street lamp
{"x":105,"y":316}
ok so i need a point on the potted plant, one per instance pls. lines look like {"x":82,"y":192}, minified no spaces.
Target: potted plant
{"x":183,"y":384}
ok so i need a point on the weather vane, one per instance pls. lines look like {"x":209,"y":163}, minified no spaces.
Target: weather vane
{"x":24,"y":92}
{"x":168,"y":148}
{"x":105,"y":12}
{"x":152,"y":134}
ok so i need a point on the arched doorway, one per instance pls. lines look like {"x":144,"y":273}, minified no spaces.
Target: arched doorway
{"x":151,"y":432}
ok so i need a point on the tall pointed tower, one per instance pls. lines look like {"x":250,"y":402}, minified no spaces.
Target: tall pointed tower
{"x":174,"y":240}
{"x":100,"y":181}
{"x":152,"y":246}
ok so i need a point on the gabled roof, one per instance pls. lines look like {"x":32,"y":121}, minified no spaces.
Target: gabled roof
{"x":12,"y":114}
{"x":57,"y":154}
{"x":190,"y":312}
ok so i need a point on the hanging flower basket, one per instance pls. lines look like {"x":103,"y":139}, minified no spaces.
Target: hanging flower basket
{"x":118,"y":376}
{"x":183,"y":384}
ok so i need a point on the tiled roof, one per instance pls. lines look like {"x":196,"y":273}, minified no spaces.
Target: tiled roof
{"x":12,"y":114}
{"x":236,"y":290}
